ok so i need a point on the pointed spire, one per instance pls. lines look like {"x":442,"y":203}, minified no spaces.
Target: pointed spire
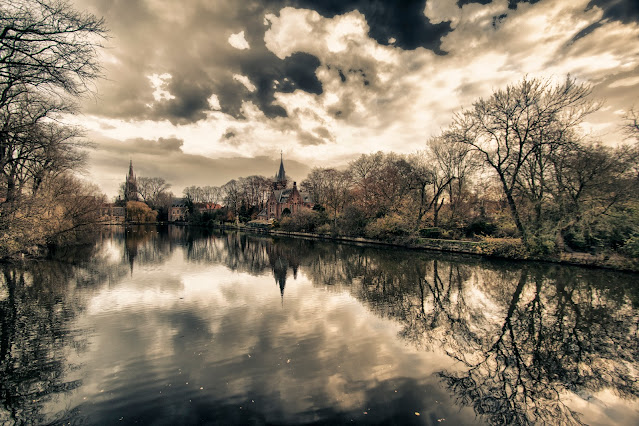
{"x":131,"y":168}
{"x":281,"y":175}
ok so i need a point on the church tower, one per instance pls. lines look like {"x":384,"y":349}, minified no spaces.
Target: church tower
{"x":280,"y":178}
{"x":131,"y":185}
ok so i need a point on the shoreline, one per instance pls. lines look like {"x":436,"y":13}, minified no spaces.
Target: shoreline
{"x":497,"y":248}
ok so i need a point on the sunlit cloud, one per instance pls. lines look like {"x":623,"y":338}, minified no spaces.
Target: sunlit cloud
{"x":238,"y":41}
{"x":326,"y":87}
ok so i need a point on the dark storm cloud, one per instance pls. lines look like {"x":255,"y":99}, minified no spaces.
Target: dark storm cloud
{"x":190,"y":102}
{"x":583,"y":33}
{"x":191,"y":44}
{"x":270,"y":75}
{"x":461,"y":3}
{"x":512,"y":4}
{"x":618,"y":10}
{"x":402,"y":20}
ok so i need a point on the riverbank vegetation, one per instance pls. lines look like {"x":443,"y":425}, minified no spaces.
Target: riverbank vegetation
{"x":514,"y":171}
{"x":47,"y":59}
{"x":515,"y":165}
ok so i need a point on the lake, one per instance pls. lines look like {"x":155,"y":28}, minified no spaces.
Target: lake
{"x":175,"y":325}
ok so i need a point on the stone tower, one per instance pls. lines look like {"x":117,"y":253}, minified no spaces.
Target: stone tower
{"x":280,"y":178}
{"x":131,"y":185}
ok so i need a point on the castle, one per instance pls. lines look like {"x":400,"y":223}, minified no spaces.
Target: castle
{"x":283,"y":198}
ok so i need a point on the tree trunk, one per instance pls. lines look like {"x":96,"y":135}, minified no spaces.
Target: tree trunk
{"x":513,"y":211}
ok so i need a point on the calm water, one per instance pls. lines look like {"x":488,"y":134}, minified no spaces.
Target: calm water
{"x":176,"y":326}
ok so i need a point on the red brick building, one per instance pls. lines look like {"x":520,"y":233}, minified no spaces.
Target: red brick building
{"x":283,"y":198}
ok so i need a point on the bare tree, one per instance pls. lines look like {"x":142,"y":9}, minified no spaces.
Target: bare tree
{"x":232,"y":195}
{"x":315,"y":184}
{"x":632,"y":123}
{"x":364,"y":171}
{"x":47,"y":51}
{"x":193,"y":194}
{"x":430,"y":182}
{"x":518,"y":126}
{"x":455,"y":163}
{"x":47,"y":46}
{"x":48,"y":55}
{"x":337,"y":187}
{"x":211,"y":194}
{"x":149,"y":188}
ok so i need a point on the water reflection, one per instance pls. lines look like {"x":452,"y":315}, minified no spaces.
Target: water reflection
{"x":177,"y":324}
{"x":36,"y":304}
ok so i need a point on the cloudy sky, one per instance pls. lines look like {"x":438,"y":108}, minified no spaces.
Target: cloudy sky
{"x":203,"y":91}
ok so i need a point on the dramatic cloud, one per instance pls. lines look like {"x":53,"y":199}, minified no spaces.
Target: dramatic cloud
{"x":326,"y":81}
{"x":238,"y":41}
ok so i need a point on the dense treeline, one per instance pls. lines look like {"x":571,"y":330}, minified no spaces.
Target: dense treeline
{"x":47,"y":57}
{"x":243,"y":198}
{"x":515,"y":165}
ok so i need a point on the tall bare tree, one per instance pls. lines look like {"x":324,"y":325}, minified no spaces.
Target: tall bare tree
{"x":149,"y":188}
{"x":48,"y":56}
{"x":518,"y":127}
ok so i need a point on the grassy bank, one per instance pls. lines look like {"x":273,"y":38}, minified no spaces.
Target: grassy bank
{"x":505,"y":248}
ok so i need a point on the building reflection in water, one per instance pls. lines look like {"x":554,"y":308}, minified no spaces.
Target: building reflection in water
{"x":282,"y":258}
{"x":525,"y":338}
{"x":526,"y":334}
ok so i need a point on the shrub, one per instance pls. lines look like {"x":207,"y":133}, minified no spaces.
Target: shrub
{"x":384,"y":228}
{"x":323,"y":229}
{"x":353,"y":221}
{"x":431,"y":232}
{"x":304,"y":220}
{"x":480,"y":226}
{"x":509,"y":248}
{"x":542,"y":244}
{"x":631,"y":246}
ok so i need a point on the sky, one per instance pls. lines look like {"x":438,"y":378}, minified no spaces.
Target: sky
{"x":203,"y":91}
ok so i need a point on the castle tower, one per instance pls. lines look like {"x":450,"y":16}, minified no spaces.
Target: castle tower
{"x":131,"y":185}
{"x":280,"y":178}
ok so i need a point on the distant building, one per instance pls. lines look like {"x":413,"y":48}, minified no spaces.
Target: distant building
{"x":178,"y":210}
{"x":131,"y":185}
{"x":110,"y":213}
{"x":207,"y":207}
{"x":282,"y":198}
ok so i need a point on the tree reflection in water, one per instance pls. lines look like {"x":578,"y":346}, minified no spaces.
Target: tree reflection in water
{"x":561,"y":332}
{"x":36,"y":308}
{"x":526,"y":337}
